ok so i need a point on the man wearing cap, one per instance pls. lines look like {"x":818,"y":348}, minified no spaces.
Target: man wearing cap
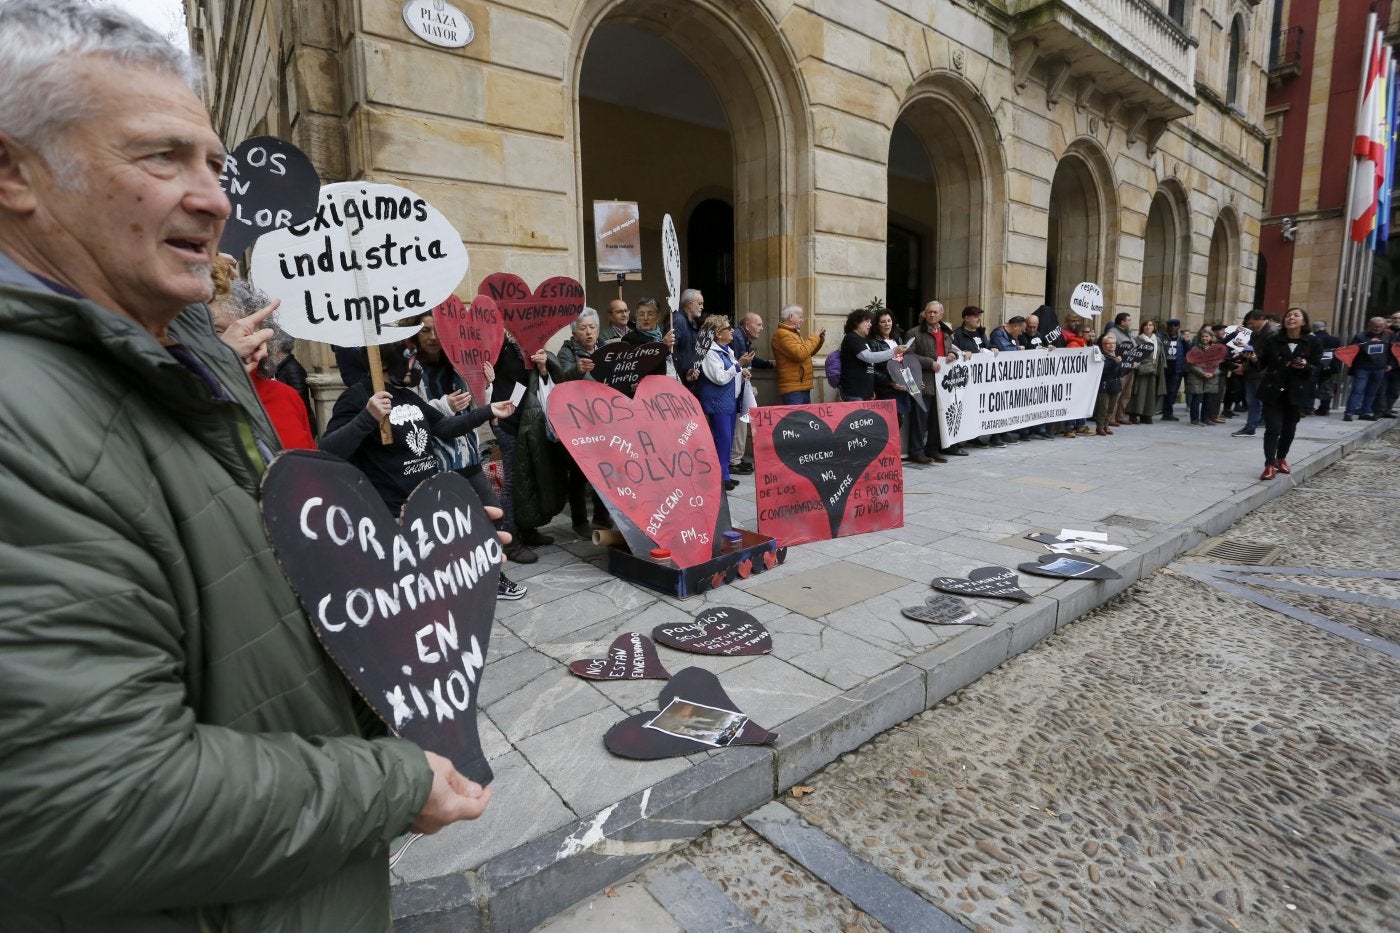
{"x":1174,"y":345}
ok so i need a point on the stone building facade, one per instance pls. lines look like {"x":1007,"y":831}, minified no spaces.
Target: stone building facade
{"x":823,"y":152}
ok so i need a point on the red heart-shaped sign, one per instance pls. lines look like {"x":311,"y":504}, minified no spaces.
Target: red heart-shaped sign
{"x":1208,"y":358}
{"x":651,"y":458}
{"x":471,"y":338}
{"x":533,"y":317}
{"x":1346,"y":354}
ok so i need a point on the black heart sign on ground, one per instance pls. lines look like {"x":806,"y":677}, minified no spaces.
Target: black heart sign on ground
{"x":719,"y":630}
{"x":831,"y":460}
{"x":405,"y":609}
{"x":984,"y":581}
{"x":944,"y":610}
{"x":1070,"y":568}
{"x":622,"y":365}
{"x":632,"y":656}
{"x":694,"y":715}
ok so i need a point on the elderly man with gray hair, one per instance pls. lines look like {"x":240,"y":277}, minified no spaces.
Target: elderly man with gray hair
{"x":179,"y":752}
{"x":792,"y":355}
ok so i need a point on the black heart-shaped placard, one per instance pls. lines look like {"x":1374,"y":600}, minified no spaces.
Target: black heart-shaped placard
{"x":830,"y":460}
{"x":632,"y":656}
{"x":984,"y":581}
{"x":699,"y":717}
{"x":719,"y":630}
{"x":622,"y":365}
{"x":1070,"y":568}
{"x":944,"y":610}
{"x":404,"y":609}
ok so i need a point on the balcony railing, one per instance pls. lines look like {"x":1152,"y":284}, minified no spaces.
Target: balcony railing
{"x":1129,"y":47}
{"x":1286,"y":53}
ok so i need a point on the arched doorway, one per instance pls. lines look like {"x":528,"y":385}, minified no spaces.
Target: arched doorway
{"x":680,"y":104}
{"x":1076,"y":232}
{"x":1164,"y":253}
{"x":944,"y":194}
{"x":709,"y":251}
{"x":1221,"y":272}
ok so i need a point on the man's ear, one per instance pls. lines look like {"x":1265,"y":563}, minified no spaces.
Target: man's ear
{"x":17,"y":165}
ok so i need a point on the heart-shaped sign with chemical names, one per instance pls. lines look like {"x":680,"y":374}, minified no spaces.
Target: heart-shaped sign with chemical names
{"x":534,"y":316}
{"x":622,"y":365}
{"x":652,"y":460}
{"x":984,"y":581}
{"x":404,"y":607}
{"x":632,"y":656}
{"x":827,"y":470}
{"x":694,"y":715}
{"x":719,"y":630}
{"x":471,"y":337}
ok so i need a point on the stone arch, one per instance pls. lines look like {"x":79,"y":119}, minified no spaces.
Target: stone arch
{"x":963,"y":215}
{"x":745,"y":59}
{"x":1223,"y":269}
{"x":1166,"y":255}
{"x":1082,"y":227}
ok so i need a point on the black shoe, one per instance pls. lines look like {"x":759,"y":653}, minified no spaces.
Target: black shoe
{"x":602,"y":522}
{"x":1244,"y":432}
{"x":520,"y":554}
{"x":1346,"y":417}
{"x":955,"y":452}
{"x":741,"y":468}
{"x":1385,"y":414}
{"x":996,"y":444}
{"x":978,"y":442}
{"x":1170,"y":418}
{"x":1367,"y":417}
{"x":583,"y":531}
{"x":505,"y":589}
{"x":1322,"y":411}
{"x":533,"y":538}
{"x":730,"y":485}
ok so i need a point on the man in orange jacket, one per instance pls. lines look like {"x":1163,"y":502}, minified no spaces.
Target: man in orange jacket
{"x":792,"y":354}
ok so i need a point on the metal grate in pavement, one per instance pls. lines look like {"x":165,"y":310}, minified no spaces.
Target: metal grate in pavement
{"x":1232,"y":551}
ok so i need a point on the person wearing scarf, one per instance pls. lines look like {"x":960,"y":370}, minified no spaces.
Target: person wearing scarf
{"x":721,"y":386}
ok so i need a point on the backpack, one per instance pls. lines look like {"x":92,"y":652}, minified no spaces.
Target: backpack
{"x":833,"y":369}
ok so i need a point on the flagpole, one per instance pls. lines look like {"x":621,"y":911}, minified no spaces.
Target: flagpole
{"x":1343,"y":269}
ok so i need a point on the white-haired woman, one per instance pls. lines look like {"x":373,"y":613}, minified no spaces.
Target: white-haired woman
{"x":577,"y":363}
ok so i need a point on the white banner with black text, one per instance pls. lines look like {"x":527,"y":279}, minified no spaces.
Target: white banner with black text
{"x":992,"y":393}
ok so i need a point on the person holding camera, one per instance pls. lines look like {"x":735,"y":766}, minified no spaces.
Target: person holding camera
{"x":1288,"y":360}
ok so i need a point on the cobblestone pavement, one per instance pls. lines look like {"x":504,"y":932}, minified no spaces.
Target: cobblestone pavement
{"x":1182,"y":758}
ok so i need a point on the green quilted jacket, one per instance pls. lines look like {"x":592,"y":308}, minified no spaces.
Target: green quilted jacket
{"x":176,"y":751}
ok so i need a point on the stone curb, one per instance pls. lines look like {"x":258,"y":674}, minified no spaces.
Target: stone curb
{"x":521,"y":888}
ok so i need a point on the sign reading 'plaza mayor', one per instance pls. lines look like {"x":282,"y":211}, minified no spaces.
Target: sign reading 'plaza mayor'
{"x":438,"y":22}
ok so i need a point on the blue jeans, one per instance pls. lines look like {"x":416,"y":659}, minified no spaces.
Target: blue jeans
{"x":1255,"y":416}
{"x":1365,"y":384}
{"x":796,"y":398}
{"x":722,"y":427}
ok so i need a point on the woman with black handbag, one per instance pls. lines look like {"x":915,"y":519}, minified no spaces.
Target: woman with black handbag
{"x":1290,"y":360}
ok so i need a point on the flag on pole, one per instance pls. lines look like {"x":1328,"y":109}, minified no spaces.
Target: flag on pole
{"x":1369,"y":146}
{"x":1388,"y":169}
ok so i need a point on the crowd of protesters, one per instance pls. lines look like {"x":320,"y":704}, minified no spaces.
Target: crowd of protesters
{"x":1266,"y":371}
